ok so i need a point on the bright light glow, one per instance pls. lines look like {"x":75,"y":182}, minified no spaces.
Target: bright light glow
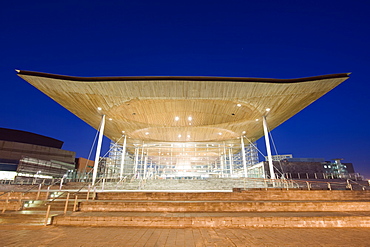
{"x":257,"y":119}
{"x":110,"y":119}
{"x":146,"y":133}
{"x":243,"y":132}
{"x":177,"y":118}
{"x":268,"y":109}
{"x":123,"y":131}
{"x":238,"y":105}
{"x":99,"y":108}
{"x":190,"y":118}
{"x":220,"y":133}
{"x":188,"y":136}
{"x":179,"y":136}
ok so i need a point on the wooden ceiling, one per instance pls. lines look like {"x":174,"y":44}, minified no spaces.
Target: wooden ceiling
{"x":182,"y":109}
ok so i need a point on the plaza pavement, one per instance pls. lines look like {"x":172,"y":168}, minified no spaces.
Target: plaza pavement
{"x":15,"y":235}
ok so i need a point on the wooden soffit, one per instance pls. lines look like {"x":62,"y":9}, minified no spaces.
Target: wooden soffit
{"x":183,"y":109}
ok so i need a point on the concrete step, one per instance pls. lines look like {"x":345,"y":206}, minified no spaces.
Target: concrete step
{"x":250,"y":195}
{"x":236,"y":220}
{"x":223,"y":206}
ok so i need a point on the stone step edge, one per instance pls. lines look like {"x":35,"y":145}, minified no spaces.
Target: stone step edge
{"x":217,"y":222}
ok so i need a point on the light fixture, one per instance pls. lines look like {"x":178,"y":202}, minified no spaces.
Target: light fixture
{"x":123,"y":131}
{"x":190,"y":118}
{"x":110,"y":119}
{"x":243,"y":132}
{"x":188,"y":136}
{"x":146,"y":133}
{"x":238,"y":105}
{"x":179,"y":136}
{"x":257,"y":119}
{"x":99,"y":108}
{"x":268,"y":109}
{"x":177,"y":118}
{"x":220,"y":133}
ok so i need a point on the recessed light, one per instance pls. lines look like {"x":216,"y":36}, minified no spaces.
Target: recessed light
{"x":220,"y":133}
{"x":99,"y":108}
{"x":268,"y":109}
{"x":243,"y":132}
{"x":188,"y":136}
{"x":179,"y":136}
{"x":257,"y":119}
{"x":238,"y":105}
{"x":110,"y":119}
{"x":177,"y":118}
{"x":146,"y":133}
{"x":190,"y":118}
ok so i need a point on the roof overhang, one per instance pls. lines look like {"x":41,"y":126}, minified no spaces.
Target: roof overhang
{"x":181,"y":108}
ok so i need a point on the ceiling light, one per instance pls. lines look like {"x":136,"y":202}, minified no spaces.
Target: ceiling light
{"x":99,"y":108}
{"x":190,"y":118}
{"x":177,"y":118}
{"x":257,"y":119}
{"x":238,"y":105}
{"x":268,"y":109}
{"x":188,"y":136}
{"x":146,"y":133}
{"x":110,"y":119}
{"x":179,"y":136}
{"x":243,"y":132}
{"x":220,"y":133}
{"x":123,"y":131}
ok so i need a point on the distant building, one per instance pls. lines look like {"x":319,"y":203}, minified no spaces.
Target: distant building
{"x":280,"y":157}
{"x":305,"y":168}
{"x":27,"y":155}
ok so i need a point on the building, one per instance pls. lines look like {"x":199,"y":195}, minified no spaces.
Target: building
{"x":25,"y":155}
{"x":178,"y":127}
{"x":306,"y":168}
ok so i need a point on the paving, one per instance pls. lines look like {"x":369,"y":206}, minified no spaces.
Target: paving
{"x":214,"y":227}
{"x":130,"y":236}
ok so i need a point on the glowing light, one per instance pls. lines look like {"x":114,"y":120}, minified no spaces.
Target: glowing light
{"x":268,"y":109}
{"x":238,"y":105}
{"x":243,"y":132}
{"x":179,"y":136}
{"x":99,"y":108}
{"x":190,"y":118}
{"x":110,"y":119}
{"x":177,"y":118}
{"x":220,"y":133}
{"x":257,"y":119}
{"x":146,"y":133}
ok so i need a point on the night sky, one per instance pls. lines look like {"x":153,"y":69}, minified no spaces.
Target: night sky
{"x":268,"y":39}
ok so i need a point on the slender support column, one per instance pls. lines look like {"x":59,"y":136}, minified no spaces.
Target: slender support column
{"x":268,"y":148}
{"x":123,"y":158}
{"x":136,"y":160}
{"x":141,"y":161}
{"x":221,"y":160}
{"x":231,"y":163}
{"x":98,"y":149}
{"x":225,"y":160}
{"x":243,"y":157}
{"x":145,"y":167}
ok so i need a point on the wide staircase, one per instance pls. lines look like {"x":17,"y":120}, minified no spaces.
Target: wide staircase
{"x":241,"y":208}
{"x":31,"y":208}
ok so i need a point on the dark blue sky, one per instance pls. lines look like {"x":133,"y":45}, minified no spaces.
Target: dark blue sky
{"x":269,"y":39}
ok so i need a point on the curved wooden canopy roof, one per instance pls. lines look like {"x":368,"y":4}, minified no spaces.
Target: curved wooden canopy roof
{"x":181,"y":108}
